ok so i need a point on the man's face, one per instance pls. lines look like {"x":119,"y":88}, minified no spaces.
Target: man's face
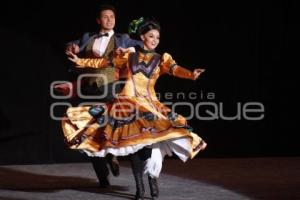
{"x":106,"y":20}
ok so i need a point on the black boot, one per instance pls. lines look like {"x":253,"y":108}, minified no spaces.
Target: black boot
{"x":140,"y":190}
{"x":113,"y":164}
{"x":154,"y":191}
{"x":137,"y":169}
{"x":101,"y":170}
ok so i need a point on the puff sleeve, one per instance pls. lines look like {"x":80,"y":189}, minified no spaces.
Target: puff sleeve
{"x":168,"y":65}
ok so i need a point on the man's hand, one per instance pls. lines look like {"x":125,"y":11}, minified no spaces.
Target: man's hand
{"x":121,"y":50}
{"x":197,"y":73}
{"x":74,"y":48}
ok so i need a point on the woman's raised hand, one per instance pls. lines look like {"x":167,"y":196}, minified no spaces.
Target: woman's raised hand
{"x":73,"y":57}
{"x":198,"y":72}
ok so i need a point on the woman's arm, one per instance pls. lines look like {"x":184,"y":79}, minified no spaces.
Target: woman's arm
{"x":168,"y":65}
{"x":117,"y":61}
{"x":185,"y":73}
{"x":89,"y":62}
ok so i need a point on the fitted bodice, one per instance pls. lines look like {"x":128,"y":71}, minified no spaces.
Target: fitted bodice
{"x":143,"y":71}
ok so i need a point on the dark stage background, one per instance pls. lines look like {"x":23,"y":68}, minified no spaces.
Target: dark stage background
{"x":241,"y":45}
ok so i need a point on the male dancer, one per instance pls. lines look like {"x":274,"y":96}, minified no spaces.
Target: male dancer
{"x":102,"y":44}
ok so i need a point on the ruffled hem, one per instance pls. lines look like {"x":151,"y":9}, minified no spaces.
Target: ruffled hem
{"x":120,"y":151}
{"x":182,"y":147}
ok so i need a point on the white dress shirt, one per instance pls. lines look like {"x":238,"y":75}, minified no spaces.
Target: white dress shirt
{"x":101,"y":43}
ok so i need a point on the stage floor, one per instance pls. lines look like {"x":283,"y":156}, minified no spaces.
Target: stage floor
{"x":198,"y":179}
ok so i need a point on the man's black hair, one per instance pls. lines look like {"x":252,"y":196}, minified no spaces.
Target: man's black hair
{"x":105,"y":7}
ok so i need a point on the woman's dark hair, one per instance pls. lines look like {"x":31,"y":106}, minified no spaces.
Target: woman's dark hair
{"x":147,"y":25}
{"x":105,"y":7}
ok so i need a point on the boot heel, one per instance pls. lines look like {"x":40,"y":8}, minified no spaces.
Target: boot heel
{"x":153,"y":187}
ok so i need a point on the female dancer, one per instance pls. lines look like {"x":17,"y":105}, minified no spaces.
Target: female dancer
{"x":135,"y":123}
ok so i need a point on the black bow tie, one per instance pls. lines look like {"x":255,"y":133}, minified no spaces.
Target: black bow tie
{"x":101,"y":35}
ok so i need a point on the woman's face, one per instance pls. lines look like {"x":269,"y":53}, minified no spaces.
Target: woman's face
{"x":151,"y":39}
